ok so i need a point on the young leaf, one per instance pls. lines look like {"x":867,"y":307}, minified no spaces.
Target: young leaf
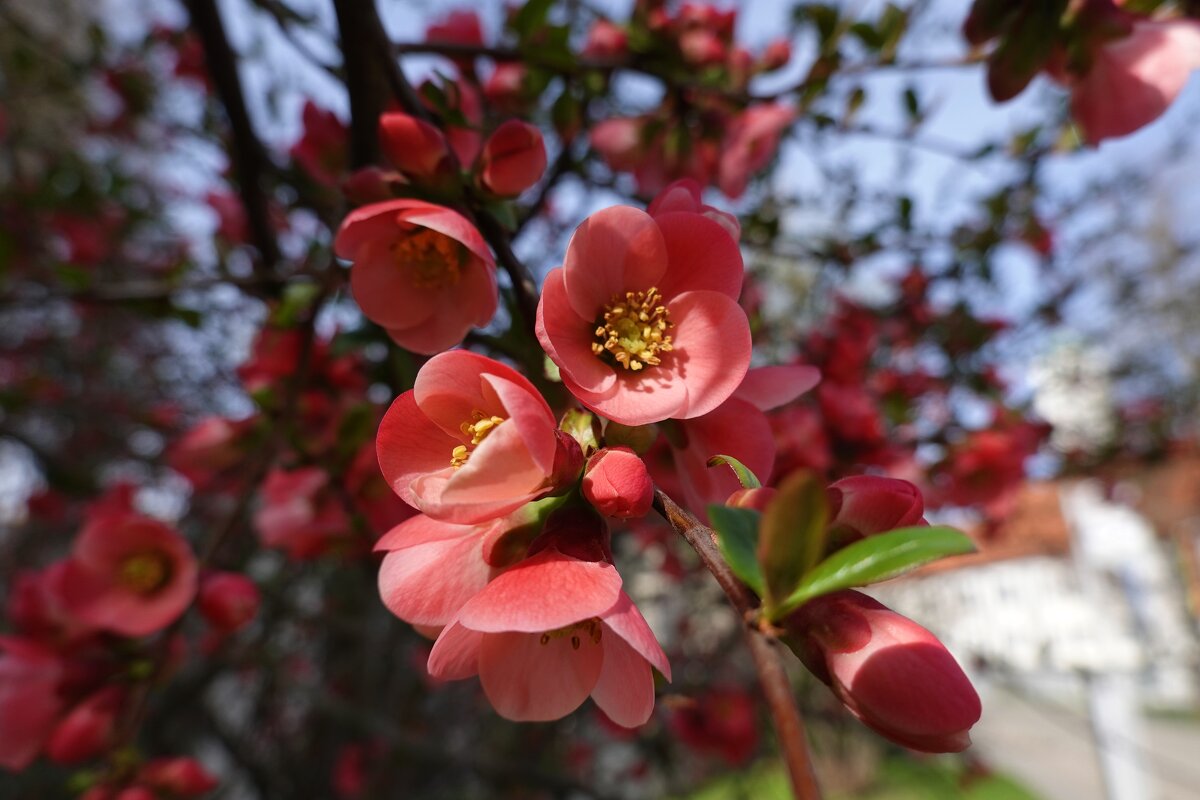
{"x":875,"y":559}
{"x":745,"y":477}
{"x":737,"y":538}
{"x":793,"y":534}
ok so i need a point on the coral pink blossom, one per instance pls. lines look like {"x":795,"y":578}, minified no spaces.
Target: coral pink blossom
{"x":605,"y":40}
{"x":433,"y":568}
{"x":1133,"y":80}
{"x":129,"y":574}
{"x":421,"y":271}
{"x":321,"y":151}
{"x":415,"y":147}
{"x":642,"y":318}
{"x":737,"y":428}
{"x":867,"y":504}
{"x":513,"y":158}
{"x":750,"y":142}
{"x":472,"y":441}
{"x":29,"y":701}
{"x":890,"y":672}
{"x":300,"y":513}
{"x":619,"y":141}
{"x":551,"y":631}
{"x":460,"y":26}
{"x":617,"y":484}
{"x":209,"y":449}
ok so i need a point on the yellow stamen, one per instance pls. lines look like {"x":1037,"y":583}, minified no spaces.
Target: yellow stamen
{"x":633,"y":330}
{"x":477,"y":427}
{"x":144,"y":573}
{"x":591,"y":627}
{"x":432,"y":259}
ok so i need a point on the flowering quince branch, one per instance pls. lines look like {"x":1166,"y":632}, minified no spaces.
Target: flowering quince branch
{"x":764,"y":647}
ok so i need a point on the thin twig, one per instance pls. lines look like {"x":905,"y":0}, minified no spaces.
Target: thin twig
{"x":777,"y":689}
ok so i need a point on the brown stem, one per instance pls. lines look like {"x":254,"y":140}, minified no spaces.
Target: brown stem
{"x":249,"y":158}
{"x":777,"y":689}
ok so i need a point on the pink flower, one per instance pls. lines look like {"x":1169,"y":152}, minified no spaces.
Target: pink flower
{"x":433,"y":568}
{"x":421,"y":271}
{"x":513,"y":159}
{"x":129,"y":574}
{"x":551,"y":631}
{"x":300,"y":513}
{"x":750,"y":142}
{"x":617,"y":483}
{"x":605,"y":40}
{"x":642,"y":318}
{"x":228,"y":601}
{"x":867,"y":504}
{"x":619,"y":142}
{"x":1133,"y":80}
{"x":415,"y":147}
{"x":179,"y":776}
{"x":29,"y":701}
{"x":321,"y":151}
{"x":506,"y":88}
{"x":891,"y":673}
{"x":472,"y":441}
{"x":210,"y":448}
{"x":737,"y":428}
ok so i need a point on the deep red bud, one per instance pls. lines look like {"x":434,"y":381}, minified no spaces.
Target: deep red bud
{"x":890,"y":672}
{"x":868,"y":504}
{"x":618,"y":484}
{"x":414,"y":146}
{"x":228,"y":601}
{"x":777,"y":54}
{"x":513,"y":159}
{"x":87,"y":731}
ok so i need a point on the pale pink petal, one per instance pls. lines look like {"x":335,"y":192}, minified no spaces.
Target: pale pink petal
{"x":637,"y":398}
{"x":543,"y":593}
{"x":530,"y":416}
{"x":455,"y":654}
{"x":366,"y":224}
{"x":567,"y":338}
{"x":452,"y":224}
{"x":771,"y":387}
{"x":701,"y":256}
{"x":428,"y":583}
{"x":628,"y":623}
{"x":615,"y":250}
{"x":527,"y":680}
{"x":409,"y":446}
{"x":421,"y":529}
{"x":499,"y":468}
{"x":712,"y":348}
{"x":449,"y":388}
{"x":625,"y":689}
{"x":383,"y":288}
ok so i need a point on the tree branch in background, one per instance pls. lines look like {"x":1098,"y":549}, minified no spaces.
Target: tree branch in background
{"x":777,"y":689}
{"x":249,"y":158}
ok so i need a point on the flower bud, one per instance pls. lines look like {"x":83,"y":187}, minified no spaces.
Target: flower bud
{"x":181,"y":776}
{"x":867,"y":504}
{"x":228,"y":601}
{"x":513,"y":159}
{"x":605,"y":40}
{"x":777,"y":54}
{"x":618,"y":484}
{"x":87,"y":731}
{"x":891,"y":673}
{"x":414,"y":146}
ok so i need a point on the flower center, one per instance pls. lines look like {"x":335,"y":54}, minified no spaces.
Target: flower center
{"x":591,"y":628}
{"x":144,"y":572}
{"x":477,"y":427}
{"x":432,"y":259}
{"x":633,"y":330}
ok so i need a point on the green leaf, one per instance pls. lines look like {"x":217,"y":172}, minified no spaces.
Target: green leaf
{"x":531,"y":17}
{"x":745,"y":476}
{"x":793,"y":534}
{"x":737,"y":538}
{"x":875,"y":559}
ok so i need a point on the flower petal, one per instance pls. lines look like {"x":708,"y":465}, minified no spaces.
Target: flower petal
{"x":428,"y":583}
{"x":527,"y":680}
{"x":409,"y":447}
{"x":701,"y":256}
{"x":625,"y":689}
{"x":628,"y":623}
{"x":567,"y":338}
{"x":455,"y":654}
{"x":613,"y":251}
{"x":771,"y":387}
{"x":712,"y":348}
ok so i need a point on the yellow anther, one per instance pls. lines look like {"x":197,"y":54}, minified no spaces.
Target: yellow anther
{"x":633,"y":330}
{"x":432,"y":259}
{"x":477,"y":427}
